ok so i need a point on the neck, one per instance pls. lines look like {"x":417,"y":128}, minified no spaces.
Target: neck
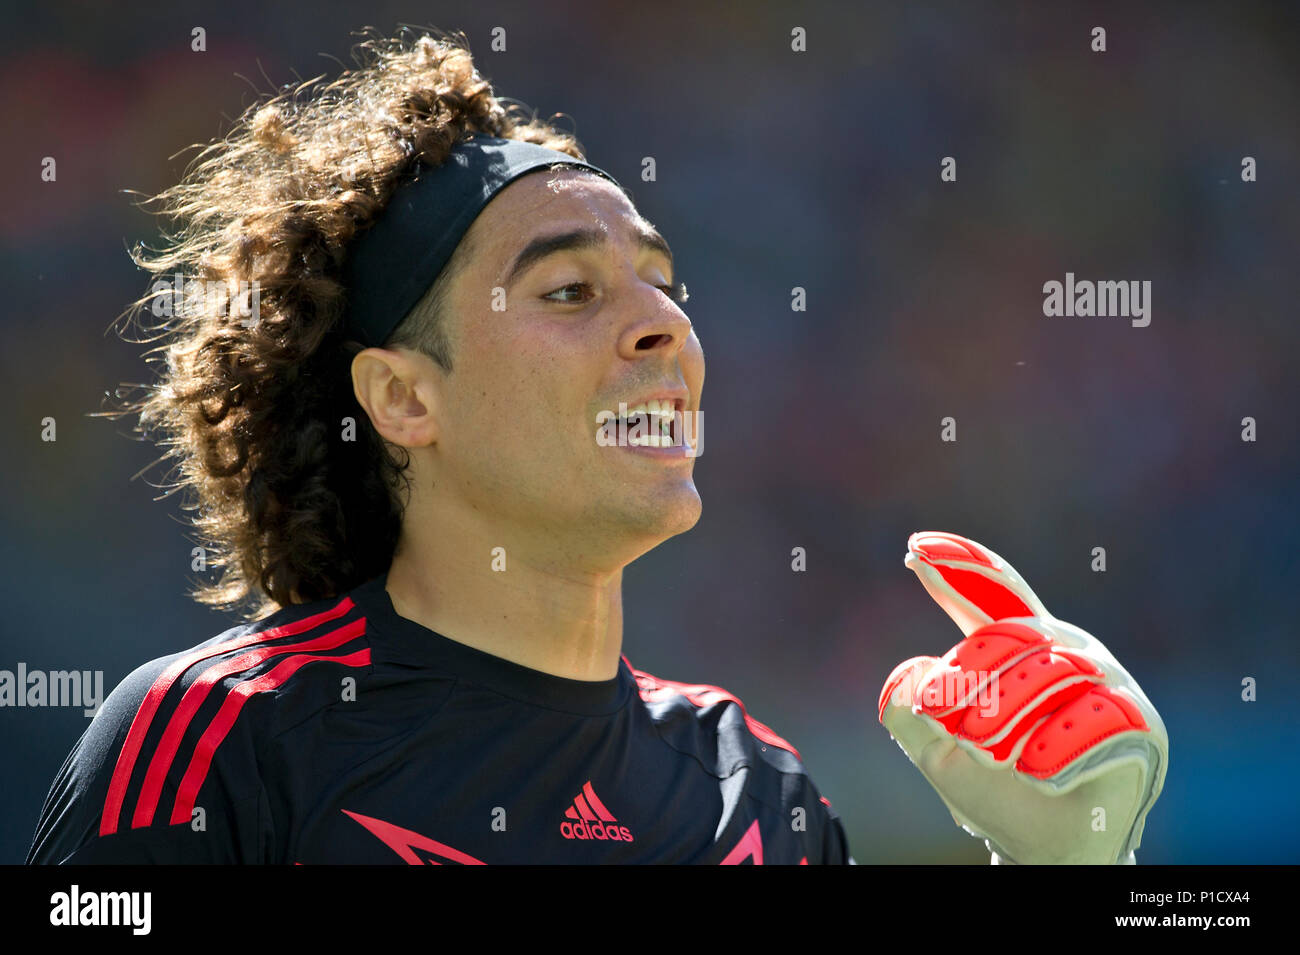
{"x":536,"y":613}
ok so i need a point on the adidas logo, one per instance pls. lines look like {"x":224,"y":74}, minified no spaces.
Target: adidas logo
{"x":589,"y":819}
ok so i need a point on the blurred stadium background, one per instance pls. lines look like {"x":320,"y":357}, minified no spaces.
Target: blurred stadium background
{"x":924,"y":300}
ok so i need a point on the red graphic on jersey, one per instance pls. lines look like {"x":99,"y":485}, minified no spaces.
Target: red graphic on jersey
{"x":590,"y":819}
{"x":414,"y":848}
{"x":749,"y":846}
{"x":652,"y":689}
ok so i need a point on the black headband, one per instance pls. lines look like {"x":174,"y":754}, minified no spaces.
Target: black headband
{"x":393,"y":263}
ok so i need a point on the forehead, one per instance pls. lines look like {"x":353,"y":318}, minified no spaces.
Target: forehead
{"x":548,"y":198}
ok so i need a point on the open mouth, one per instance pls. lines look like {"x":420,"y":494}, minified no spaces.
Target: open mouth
{"x":647,"y":430}
{"x":660,"y":426}
{"x":652,"y":424}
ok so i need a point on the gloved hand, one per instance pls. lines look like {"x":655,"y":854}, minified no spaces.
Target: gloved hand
{"x":1034,"y":736}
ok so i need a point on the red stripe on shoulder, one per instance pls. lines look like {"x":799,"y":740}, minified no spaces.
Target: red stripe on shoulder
{"x":135,"y":737}
{"x":197,"y":771}
{"x":197,"y":692}
{"x":653,"y":688}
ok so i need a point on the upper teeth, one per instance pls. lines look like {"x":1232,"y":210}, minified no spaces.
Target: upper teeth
{"x":654,"y":406}
{"x":661,"y":423}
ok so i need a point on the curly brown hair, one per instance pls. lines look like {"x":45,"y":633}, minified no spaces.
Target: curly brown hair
{"x":252,"y":413}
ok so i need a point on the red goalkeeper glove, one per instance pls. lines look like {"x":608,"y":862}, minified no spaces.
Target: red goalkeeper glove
{"x":1034,"y":736}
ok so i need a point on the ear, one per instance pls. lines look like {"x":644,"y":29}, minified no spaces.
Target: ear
{"x":398,"y":389}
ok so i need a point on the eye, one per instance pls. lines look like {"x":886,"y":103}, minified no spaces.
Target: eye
{"x":676,"y":292}
{"x":574,"y":285}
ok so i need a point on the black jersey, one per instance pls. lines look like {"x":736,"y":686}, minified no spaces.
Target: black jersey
{"x":341,"y":732}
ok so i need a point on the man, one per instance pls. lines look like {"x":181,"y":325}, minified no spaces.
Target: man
{"x":467,"y":400}
{"x":462,"y":696}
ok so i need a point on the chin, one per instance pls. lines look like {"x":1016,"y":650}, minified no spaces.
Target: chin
{"x":680,"y":516}
{"x":651,"y":526}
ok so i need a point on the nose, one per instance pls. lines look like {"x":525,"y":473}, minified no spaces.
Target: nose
{"x":656,"y":325}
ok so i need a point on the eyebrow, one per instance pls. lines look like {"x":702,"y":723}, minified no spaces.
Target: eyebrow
{"x":577,"y":240}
